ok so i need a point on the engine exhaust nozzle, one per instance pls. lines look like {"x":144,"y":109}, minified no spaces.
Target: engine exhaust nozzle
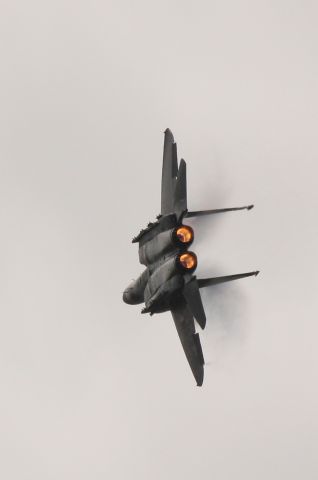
{"x":187,"y":261}
{"x":184,"y":234}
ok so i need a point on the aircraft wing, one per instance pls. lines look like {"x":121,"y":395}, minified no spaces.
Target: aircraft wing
{"x":190,"y":340}
{"x":174,"y":179}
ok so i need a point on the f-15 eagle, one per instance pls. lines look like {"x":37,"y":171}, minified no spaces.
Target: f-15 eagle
{"x":168,"y":282}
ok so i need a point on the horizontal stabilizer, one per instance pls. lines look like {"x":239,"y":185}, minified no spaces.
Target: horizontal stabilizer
{"x":199,"y":213}
{"x":206,"y":282}
{"x":190,"y":340}
{"x":197,"y":342}
{"x":192,"y":296}
{"x":180,"y":192}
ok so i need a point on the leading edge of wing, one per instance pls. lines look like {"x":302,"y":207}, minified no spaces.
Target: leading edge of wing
{"x":169,"y":172}
{"x":190,"y":340}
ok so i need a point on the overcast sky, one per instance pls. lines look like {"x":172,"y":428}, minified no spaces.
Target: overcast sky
{"x":89,"y":388}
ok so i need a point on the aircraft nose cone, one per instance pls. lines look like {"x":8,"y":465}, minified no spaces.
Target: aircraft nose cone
{"x":131,"y":297}
{"x":126,"y":296}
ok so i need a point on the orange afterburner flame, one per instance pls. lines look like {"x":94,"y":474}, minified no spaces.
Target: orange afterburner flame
{"x":188,"y":260}
{"x":185,"y":234}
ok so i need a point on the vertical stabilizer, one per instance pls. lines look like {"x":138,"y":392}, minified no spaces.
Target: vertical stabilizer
{"x":206,"y":282}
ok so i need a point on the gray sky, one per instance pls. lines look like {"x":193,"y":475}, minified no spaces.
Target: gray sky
{"x":91,"y":389}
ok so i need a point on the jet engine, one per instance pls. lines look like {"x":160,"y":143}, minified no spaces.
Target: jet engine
{"x":179,"y":237}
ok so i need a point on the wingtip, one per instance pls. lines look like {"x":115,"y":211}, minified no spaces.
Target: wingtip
{"x":200,"y":380}
{"x":250,"y":207}
{"x":256,"y":273}
{"x":168,"y":134}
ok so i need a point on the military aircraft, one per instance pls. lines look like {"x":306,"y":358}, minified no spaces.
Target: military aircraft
{"x":168,"y":282}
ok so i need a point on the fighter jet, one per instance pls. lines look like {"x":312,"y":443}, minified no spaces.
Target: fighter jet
{"x":168,"y":282}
